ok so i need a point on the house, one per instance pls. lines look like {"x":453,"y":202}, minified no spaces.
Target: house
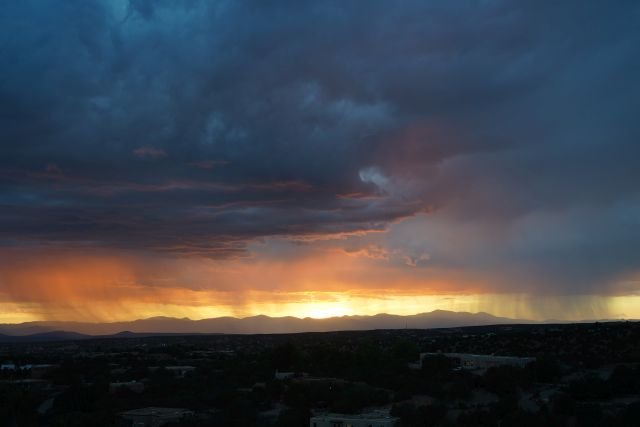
{"x":380,"y":418}
{"x":176,"y":371}
{"x":154,"y":417}
{"x":283,"y":375}
{"x":40,"y":370}
{"x":134,"y":386}
{"x":27,"y":384}
{"x":37,"y":371}
{"x":289,"y":375}
{"x":477,"y":361}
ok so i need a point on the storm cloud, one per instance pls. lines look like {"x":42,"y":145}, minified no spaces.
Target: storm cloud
{"x":500,"y":139}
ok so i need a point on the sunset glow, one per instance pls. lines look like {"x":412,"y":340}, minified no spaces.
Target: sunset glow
{"x":217,"y":159}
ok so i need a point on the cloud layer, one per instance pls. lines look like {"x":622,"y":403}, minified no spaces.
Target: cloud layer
{"x":495,"y":142}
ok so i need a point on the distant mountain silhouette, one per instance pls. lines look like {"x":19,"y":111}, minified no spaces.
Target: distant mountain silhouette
{"x":44,"y":337}
{"x":257,"y":324}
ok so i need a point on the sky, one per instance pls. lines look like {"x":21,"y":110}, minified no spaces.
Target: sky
{"x":319,"y":158}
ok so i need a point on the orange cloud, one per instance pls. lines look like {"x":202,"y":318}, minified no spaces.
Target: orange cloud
{"x":99,"y":286}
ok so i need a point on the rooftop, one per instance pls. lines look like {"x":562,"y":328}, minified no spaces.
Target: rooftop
{"x":157,"y":412}
{"x":374,"y":415}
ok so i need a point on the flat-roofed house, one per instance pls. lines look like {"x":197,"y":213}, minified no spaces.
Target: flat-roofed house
{"x":154,"y":416}
{"x":371,"y":419}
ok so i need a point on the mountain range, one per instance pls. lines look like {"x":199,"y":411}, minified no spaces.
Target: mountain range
{"x":53,"y":330}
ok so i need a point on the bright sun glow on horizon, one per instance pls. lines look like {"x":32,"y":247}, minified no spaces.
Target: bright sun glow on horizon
{"x":331,"y":304}
{"x":326,"y":310}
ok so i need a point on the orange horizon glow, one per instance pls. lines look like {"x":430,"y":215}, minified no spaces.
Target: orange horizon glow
{"x":101,"y":287}
{"x":200,"y":305}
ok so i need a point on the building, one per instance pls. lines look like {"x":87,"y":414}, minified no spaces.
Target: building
{"x":134,"y":386}
{"x":283,"y":375}
{"x":154,"y":417}
{"x":37,"y":371}
{"x":27,"y":384}
{"x":8,"y":366}
{"x":176,"y":371}
{"x":379,"y":418}
{"x":478,"y":361}
{"x":40,"y":370}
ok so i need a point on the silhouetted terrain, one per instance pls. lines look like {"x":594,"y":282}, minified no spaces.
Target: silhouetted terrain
{"x":575,"y":375}
{"x":264,"y":324}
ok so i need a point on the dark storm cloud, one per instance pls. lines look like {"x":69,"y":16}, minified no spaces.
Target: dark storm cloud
{"x":195,"y":127}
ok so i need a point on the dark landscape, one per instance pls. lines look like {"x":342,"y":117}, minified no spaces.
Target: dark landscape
{"x":584,"y":374}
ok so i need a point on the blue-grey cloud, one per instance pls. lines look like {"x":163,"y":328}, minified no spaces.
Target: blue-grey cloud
{"x":196,"y":127}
